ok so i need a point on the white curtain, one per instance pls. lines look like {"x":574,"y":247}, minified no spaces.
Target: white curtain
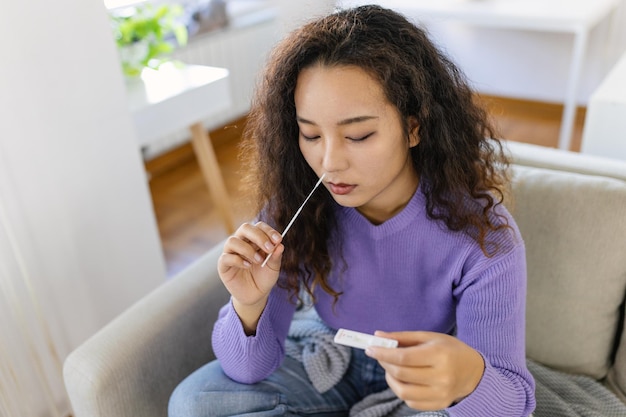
{"x":78,"y":236}
{"x":32,"y":345}
{"x":618,"y":31}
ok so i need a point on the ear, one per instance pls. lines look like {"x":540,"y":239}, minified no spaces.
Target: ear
{"x":414,"y":128}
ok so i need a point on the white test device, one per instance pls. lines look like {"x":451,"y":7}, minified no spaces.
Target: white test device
{"x":362,"y":340}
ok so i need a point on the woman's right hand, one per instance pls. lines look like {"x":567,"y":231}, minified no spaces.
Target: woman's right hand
{"x":240,"y":269}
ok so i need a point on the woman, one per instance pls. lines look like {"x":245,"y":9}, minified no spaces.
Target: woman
{"x":407,"y":238}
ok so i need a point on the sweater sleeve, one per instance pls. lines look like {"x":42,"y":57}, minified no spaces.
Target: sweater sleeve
{"x":491,"y":306}
{"x":250,"y":359}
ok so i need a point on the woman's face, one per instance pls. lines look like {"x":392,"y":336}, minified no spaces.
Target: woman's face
{"x":350,"y":131}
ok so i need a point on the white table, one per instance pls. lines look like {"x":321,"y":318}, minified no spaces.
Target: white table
{"x":170,"y":99}
{"x":576,"y":17}
{"x":604,"y":133}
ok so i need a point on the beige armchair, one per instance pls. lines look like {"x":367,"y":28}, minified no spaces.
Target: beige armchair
{"x":571,"y":210}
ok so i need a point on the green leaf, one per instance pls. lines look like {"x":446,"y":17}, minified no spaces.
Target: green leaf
{"x":152,"y":25}
{"x":181,"y":35}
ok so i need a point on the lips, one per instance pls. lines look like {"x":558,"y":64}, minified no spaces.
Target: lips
{"x":341,"y":189}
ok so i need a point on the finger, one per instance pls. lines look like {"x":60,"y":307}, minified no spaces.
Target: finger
{"x":235,"y":245}
{"x":228,"y":262}
{"x":420,"y":355}
{"x":275,"y":258}
{"x":410,"y":338}
{"x":420,"y":375}
{"x":417,"y":396}
{"x":259,"y":234}
{"x":404,"y":391}
{"x":274,"y":236}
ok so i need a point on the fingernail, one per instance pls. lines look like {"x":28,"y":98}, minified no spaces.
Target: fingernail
{"x":247,"y":264}
{"x":269,"y":246}
{"x":276,"y":237}
{"x":258,"y":257}
{"x":369,"y":352}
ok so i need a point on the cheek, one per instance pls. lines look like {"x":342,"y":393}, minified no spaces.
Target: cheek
{"x":385,"y":163}
{"x":384,"y":155}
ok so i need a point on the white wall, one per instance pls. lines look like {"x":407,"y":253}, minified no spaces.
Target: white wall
{"x":72,"y":184}
{"x":295,"y":13}
{"x":528,"y":65}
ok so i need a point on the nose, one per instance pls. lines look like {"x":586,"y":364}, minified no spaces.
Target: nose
{"x":335,"y":156}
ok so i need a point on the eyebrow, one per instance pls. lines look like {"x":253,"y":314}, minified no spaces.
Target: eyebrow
{"x":343,"y":122}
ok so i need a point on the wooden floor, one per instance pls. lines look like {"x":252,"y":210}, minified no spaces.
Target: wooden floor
{"x":189,"y":224}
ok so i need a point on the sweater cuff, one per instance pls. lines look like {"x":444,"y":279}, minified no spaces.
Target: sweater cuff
{"x":492,"y":397}
{"x":263,"y":338}
{"x":246,"y":359}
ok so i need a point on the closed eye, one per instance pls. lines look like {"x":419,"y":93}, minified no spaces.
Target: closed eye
{"x":305,"y":137}
{"x":360,"y":138}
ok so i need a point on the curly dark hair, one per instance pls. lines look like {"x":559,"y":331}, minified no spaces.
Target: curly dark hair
{"x":462,"y":169}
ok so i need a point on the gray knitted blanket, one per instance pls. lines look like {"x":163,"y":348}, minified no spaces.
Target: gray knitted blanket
{"x":310,"y":341}
{"x":564,"y":395}
{"x":558,"y":394}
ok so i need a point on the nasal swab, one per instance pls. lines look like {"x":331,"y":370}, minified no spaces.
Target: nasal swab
{"x":295,"y":216}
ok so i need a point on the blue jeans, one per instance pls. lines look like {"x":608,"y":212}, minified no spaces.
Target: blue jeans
{"x":287,"y":392}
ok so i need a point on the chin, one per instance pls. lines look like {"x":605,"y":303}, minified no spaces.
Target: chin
{"x":347,"y":201}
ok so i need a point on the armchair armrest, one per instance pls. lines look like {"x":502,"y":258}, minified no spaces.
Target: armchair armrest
{"x":556,"y":159}
{"x":130,"y":367}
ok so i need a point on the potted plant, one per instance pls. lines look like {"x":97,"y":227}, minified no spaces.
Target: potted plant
{"x":146,"y":35}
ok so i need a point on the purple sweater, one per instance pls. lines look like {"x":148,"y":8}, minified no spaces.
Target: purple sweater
{"x":410,"y":273}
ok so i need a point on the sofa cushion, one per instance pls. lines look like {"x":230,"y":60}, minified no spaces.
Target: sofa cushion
{"x":616,"y":380}
{"x":574,"y":228}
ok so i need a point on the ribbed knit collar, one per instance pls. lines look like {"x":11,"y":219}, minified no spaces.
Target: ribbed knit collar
{"x":353,"y":221}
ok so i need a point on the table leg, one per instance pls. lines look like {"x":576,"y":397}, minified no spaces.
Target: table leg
{"x":203,"y":149}
{"x":569,"y":108}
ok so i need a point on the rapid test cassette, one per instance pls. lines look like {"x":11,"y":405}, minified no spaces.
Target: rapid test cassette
{"x":362,"y":340}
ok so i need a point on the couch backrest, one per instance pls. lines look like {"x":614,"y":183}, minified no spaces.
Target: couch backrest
{"x":574,"y":228}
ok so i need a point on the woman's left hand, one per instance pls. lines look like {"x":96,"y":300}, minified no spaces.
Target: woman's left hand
{"x":429,"y":371}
